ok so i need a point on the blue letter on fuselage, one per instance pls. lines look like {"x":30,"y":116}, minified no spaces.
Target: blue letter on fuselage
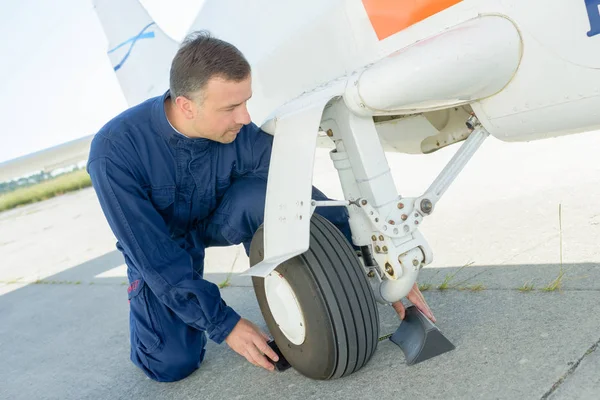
{"x":593,"y":9}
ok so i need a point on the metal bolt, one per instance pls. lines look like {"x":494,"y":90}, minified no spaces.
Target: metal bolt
{"x":377,"y":249}
{"x":389,"y":269}
{"x":392,"y":222}
{"x":374,"y":238}
{"x":384,"y":249}
{"x":415,"y":262}
{"x":400,"y":206}
{"x":329,"y":132}
{"x":371,"y":274}
{"x":381,"y":238}
{"x":364,"y":202}
{"x":426,"y":206}
{"x":416,"y":215}
{"x":473,"y":122}
{"x":416,"y":222}
{"x":404,"y":217}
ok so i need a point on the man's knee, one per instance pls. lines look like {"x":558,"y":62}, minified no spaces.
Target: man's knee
{"x":170,"y":364}
{"x":162,"y":345}
{"x":246,"y":200}
{"x":171,"y":369}
{"x":243,"y":207}
{"x":240,"y":213}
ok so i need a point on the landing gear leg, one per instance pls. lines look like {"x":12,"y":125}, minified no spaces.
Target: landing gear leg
{"x":383,"y":220}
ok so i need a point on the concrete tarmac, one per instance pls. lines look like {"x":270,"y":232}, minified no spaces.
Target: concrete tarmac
{"x":500,"y":247}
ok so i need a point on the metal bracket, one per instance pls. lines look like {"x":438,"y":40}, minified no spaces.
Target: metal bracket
{"x":328,"y":203}
{"x":427,"y":201}
{"x":407,"y":222}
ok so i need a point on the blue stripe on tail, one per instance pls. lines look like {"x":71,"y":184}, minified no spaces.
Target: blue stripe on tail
{"x":142,"y":35}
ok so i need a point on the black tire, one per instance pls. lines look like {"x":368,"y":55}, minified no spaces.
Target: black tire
{"x":340,"y":312}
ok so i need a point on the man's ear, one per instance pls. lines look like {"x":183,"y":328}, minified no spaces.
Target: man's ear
{"x":186,"y":106}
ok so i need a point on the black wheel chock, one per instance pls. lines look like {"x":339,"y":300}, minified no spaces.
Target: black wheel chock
{"x":419,"y":338}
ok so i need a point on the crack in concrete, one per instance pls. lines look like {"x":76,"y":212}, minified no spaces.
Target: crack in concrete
{"x":570,"y":372}
{"x":468,"y":289}
{"x":41,"y":282}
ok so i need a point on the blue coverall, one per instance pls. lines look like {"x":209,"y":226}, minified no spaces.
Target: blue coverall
{"x":167,"y":197}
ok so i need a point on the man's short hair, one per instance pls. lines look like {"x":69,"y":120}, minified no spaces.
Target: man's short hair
{"x":202,"y":57}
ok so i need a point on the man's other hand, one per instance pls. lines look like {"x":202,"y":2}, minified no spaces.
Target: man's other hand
{"x":418,"y":300}
{"x":250,"y":342}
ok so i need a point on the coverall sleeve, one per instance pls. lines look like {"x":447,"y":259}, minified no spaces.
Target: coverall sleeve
{"x":165,"y":267}
{"x":261,"y":147}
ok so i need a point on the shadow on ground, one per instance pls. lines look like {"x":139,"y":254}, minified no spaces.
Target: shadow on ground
{"x":69,"y":340}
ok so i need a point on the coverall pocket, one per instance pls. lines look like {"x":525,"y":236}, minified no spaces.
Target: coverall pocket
{"x":144,"y":318}
{"x":221,"y":187}
{"x":162,"y":197}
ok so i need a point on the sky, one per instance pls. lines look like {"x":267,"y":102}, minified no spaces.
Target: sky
{"x":57,"y":82}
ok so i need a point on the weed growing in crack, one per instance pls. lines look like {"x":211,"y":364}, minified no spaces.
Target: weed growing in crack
{"x":556,"y":284}
{"x":527,"y":286}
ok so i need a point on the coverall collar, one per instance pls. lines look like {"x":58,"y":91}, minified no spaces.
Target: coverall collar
{"x":165,"y":128}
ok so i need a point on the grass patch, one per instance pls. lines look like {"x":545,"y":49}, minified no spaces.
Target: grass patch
{"x":45,"y":282}
{"x":45,"y":190}
{"x":527,"y":287}
{"x":226,"y":282}
{"x":424,"y":286}
{"x":449,"y":283}
{"x":557,"y":282}
{"x":474,"y":288}
{"x":445,"y":285}
{"x":449,"y":277}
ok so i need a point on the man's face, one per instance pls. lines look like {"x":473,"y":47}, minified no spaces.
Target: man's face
{"x":219,"y":112}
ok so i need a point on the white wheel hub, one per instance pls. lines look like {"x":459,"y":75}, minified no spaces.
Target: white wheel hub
{"x":285,"y":308}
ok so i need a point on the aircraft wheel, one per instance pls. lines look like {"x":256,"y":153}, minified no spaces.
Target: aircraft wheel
{"x":319,"y":306}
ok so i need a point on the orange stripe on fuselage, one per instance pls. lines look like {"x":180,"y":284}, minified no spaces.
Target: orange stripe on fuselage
{"x":392,"y":16}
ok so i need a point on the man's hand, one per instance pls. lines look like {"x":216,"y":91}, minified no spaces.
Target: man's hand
{"x":249,"y":341}
{"x":418,"y":300}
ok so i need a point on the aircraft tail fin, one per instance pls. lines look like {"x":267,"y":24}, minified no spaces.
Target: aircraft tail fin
{"x":140,"y":52}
